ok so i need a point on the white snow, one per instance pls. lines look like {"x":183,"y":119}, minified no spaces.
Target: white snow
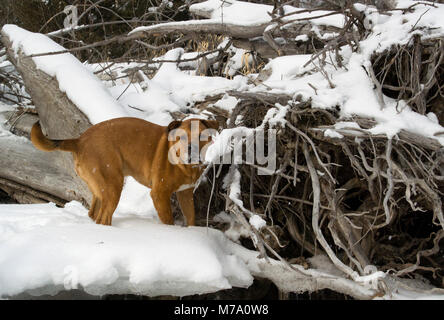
{"x":45,"y":249}
{"x":234,"y":188}
{"x":225,"y":142}
{"x":171,"y":90}
{"x":302,"y":37}
{"x":135,"y":199}
{"x":276,"y":116}
{"x":333,"y":134}
{"x":227,"y":103}
{"x":317,"y":17}
{"x":249,"y":14}
{"x":240,"y":58}
{"x":236,"y":12}
{"x":396,"y":28}
{"x":257,"y":222}
{"x":287,"y":67}
{"x":233,"y":12}
{"x":186,"y":89}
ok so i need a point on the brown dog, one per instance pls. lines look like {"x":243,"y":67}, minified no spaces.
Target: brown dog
{"x":107,"y":152}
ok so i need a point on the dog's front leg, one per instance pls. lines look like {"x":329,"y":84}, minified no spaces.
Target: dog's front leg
{"x":161,"y":200}
{"x":186,"y":202}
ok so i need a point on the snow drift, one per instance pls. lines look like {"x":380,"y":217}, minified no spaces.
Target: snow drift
{"x":45,"y":249}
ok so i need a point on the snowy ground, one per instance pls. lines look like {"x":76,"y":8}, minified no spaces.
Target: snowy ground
{"x":45,"y":249}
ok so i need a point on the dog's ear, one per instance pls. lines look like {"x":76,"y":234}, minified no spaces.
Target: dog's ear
{"x":174,"y":125}
{"x":213,"y":124}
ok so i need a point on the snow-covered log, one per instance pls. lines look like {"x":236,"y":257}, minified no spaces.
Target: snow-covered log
{"x":59,"y":116}
{"x":255,"y":26}
{"x":202,"y":26}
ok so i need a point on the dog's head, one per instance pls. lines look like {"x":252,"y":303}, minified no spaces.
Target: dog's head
{"x":189,"y":140}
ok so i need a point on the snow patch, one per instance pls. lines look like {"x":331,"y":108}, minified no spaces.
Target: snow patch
{"x":257,"y":222}
{"x":227,"y":103}
{"x":45,"y":249}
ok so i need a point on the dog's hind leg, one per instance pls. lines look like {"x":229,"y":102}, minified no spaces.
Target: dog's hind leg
{"x":186,"y":202}
{"x":109,"y":200}
{"x":162,"y":204}
{"x":94,"y":181}
{"x":95,"y":207}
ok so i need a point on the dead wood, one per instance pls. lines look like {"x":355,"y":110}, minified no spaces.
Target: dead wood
{"x":203,"y":27}
{"x":38,"y":174}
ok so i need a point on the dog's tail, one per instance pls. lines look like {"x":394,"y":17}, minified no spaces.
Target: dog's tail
{"x":43,"y":143}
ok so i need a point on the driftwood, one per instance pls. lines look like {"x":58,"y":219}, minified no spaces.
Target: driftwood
{"x":30,"y":175}
{"x":20,"y":122}
{"x":204,"y":27}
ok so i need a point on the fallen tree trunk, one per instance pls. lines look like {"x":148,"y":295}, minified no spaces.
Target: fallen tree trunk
{"x":203,"y":27}
{"x":30,"y":175}
{"x":42,"y":175}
